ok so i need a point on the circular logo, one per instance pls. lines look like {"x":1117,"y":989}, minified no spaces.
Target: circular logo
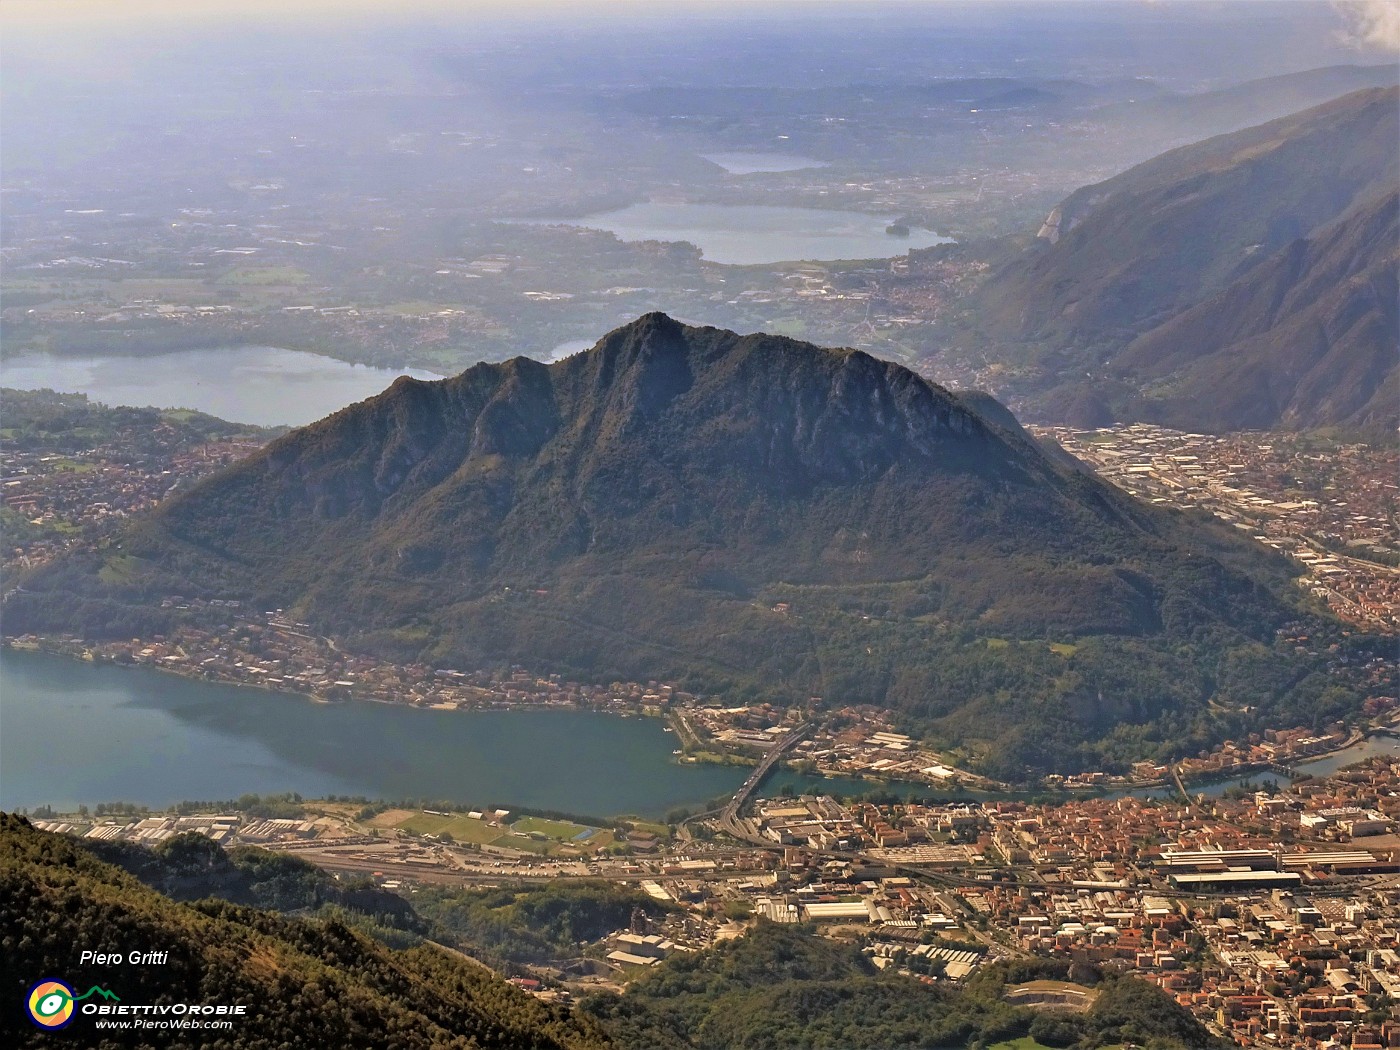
{"x":51,"y":1004}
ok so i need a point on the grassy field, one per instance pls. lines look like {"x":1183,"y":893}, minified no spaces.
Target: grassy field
{"x":1060,"y":648}
{"x":528,"y":834}
{"x":524,"y":844}
{"x":118,"y":569}
{"x":265,"y":275}
{"x":661,"y":831}
{"x":461,"y":828}
{"x":562,"y":830}
{"x":72,"y":466}
{"x":390,"y":818}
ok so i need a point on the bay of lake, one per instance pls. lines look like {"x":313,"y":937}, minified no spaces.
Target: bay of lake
{"x":263,"y":385}
{"x":73,"y":732}
{"x":753,"y":234}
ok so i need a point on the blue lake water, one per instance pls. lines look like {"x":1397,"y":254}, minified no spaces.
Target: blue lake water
{"x":74,"y":732}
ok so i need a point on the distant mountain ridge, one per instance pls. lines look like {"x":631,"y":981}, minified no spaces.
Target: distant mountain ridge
{"x":1287,"y":228}
{"x":644,"y":508}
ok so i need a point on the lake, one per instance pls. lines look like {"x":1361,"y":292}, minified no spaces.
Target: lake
{"x":262,"y":385}
{"x":73,"y":732}
{"x":753,"y":234}
{"x":741,"y":163}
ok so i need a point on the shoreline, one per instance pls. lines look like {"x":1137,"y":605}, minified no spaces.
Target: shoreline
{"x":688,"y":737}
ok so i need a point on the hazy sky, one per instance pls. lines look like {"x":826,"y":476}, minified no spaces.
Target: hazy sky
{"x":1366,"y":24}
{"x":1377,"y":21}
{"x":46,"y":11}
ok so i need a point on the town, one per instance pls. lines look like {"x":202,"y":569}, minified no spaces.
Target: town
{"x":1273,"y":914}
{"x":71,"y":470}
{"x":1333,"y":509}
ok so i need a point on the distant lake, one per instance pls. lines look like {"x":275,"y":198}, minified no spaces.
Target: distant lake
{"x":755,"y":234}
{"x":262,"y":385}
{"x":754,"y":163}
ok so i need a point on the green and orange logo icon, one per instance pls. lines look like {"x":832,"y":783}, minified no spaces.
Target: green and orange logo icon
{"x":51,"y":1003}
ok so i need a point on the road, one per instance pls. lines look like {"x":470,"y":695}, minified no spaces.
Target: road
{"x":729,"y":816}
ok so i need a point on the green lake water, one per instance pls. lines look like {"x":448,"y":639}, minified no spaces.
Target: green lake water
{"x":73,"y":732}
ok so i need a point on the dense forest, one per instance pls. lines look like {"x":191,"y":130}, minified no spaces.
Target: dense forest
{"x":788,"y":988}
{"x":533,"y":924}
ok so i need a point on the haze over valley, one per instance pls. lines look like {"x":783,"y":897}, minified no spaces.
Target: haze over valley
{"x":688,"y":526}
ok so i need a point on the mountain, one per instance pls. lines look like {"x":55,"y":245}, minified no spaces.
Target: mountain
{"x":1306,"y":338}
{"x":1268,"y":219}
{"x":744,"y":514}
{"x":1193,"y":116}
{"x":301,"y":982}
{"x":1125,"y":253}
